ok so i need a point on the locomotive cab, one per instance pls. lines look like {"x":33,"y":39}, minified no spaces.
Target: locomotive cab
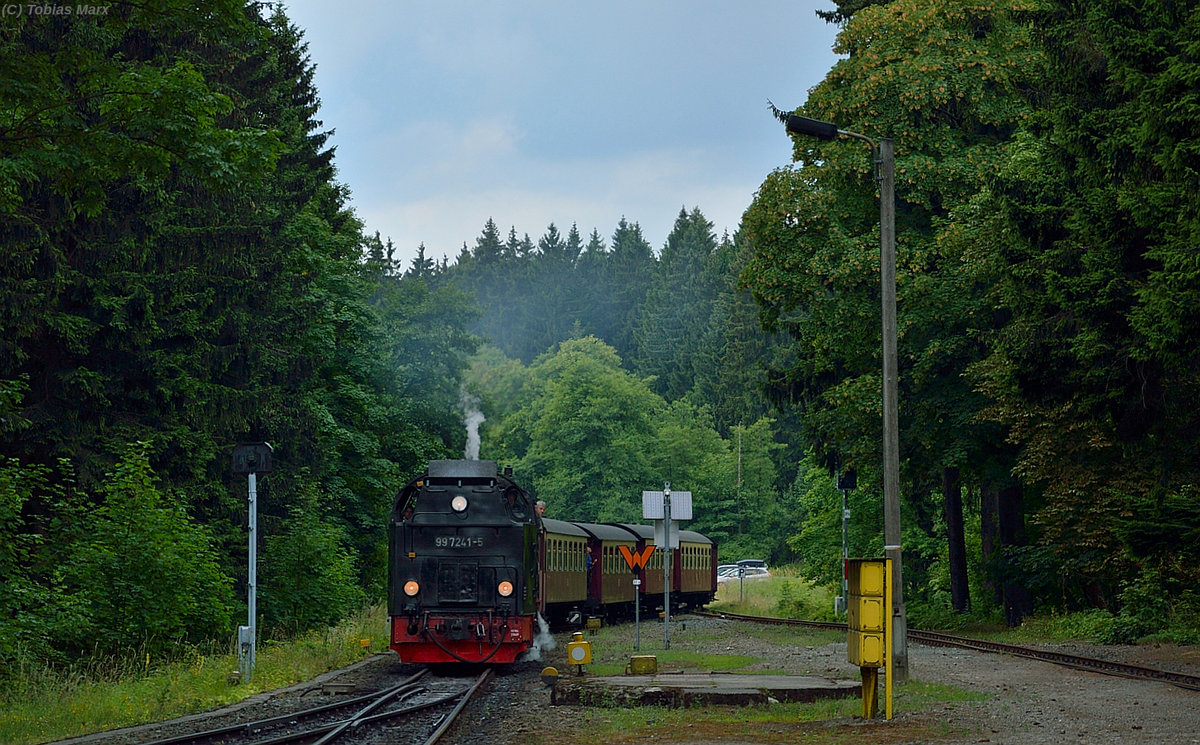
{"x":463,"y":574}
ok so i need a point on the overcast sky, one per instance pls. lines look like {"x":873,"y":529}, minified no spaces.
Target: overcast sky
{"x":450,"y":112}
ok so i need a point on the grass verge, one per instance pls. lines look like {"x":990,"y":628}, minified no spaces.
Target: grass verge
{"x":785,"y":594}
{"x":40,"y":706}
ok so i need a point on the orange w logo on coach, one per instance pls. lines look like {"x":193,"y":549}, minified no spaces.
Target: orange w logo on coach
{"x":636,"y":561}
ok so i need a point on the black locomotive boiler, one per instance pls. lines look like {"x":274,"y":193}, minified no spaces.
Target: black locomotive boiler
{"x":463,"y":569}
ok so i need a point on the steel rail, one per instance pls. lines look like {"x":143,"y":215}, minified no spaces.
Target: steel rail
{"x":1090,"y":664}
{"x":326,"y":733}
{"x":380,"y":717}
{"x":938,"y":639}
{"x":453,"y":715}
{"x":246,"y":727}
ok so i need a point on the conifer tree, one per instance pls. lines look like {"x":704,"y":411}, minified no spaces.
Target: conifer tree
{"x":678,"y":306}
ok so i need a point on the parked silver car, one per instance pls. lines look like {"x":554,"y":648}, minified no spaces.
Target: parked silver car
{"x":743,"y":573}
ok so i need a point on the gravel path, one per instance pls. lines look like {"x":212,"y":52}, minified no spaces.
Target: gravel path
{"x":1028,"y":702}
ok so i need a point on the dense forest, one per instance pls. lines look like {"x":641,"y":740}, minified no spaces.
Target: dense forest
{"x":182,"y":272}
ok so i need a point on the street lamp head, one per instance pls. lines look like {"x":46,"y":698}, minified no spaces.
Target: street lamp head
{"x":802,"y":125}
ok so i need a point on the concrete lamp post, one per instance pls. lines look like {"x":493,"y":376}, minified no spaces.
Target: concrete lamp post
{"x":885,"y":163}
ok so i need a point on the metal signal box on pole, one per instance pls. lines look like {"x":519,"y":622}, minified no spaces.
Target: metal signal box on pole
{"x":251,"y":458}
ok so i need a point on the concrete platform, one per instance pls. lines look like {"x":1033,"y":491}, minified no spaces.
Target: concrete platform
{"x":697,"y":689}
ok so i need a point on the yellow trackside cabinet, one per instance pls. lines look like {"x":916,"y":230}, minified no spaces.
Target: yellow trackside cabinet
{"x":867,"y":612}
{"x":867,"y":577}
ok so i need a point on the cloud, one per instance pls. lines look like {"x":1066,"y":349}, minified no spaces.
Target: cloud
{"x":450,"y":112}
{"x":648,"y":188}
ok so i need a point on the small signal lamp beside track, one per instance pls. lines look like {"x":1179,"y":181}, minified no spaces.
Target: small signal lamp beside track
{"x":579,"y":652}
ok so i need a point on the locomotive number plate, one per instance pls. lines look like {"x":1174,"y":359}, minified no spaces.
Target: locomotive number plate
{"x":458,"y":541}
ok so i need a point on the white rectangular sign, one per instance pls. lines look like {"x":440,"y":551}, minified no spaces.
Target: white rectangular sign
{"x":658,"y":534}
{"x":653,"y":509}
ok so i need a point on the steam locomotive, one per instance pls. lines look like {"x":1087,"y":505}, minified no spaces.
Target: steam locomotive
{"x":472,"y":566}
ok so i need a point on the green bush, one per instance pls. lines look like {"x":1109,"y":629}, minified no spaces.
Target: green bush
{"x":20,"y":594}
{"x":309,"y":576}
{"x":1093,"y":625}
{"x":1156,"y":604}
{"x":140,"y":574}
{"x":934,"y":612}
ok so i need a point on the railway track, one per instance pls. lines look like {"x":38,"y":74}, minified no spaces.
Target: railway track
{"x":344,"y":721}
{"x":937,"y":639}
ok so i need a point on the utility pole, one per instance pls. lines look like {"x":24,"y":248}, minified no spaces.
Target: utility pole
{"x":885,"y":164}
{"x":891,"y":405}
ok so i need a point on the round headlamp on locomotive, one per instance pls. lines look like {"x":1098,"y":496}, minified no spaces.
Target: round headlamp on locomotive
{"x":463,"y":569}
